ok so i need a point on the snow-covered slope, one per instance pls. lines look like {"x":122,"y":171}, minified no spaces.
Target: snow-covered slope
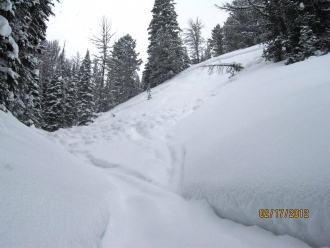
{"x":48,"y":198}
{"x":119,"y":181}
{"x":264,"y":143}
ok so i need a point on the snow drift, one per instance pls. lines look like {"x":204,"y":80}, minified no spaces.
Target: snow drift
{"x":264,"y":143}
{"x":48,"y":197}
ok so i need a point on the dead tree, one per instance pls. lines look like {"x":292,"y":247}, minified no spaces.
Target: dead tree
{"x":194,"y":40}
{"x":102,"y":43}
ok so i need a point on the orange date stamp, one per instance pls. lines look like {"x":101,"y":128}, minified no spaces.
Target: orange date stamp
{"x":283,"y":213}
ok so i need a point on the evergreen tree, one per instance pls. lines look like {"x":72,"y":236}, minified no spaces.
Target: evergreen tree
{"x":207,"y":54}
{"x":29,"y":30}
{"x":291,"y":29}
{"x":9,"y":59}
{"x":64,"y":69}
{"x":53,"y":113}
{"x":32,"y":114}
{"x":108,"y":100}
{"x":71,"y":98}
{"x":307,"y":41}
{"x":243,"y":28}
{"x":137,"y":83}
{"x":96,"y":81}
{"x":216,"y":41}
{"x":48,"y":60}
{"x":20,"y":91}
{"x":124,"y":64}
{"x":186,"y":58}
{"x":54,"y":91}
{"x":85,"y":100}
{"x":166,"y":55}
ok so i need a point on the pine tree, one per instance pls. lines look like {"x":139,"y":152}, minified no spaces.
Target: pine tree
{"x":96,"y":80}
{"x":9,"y":59}
{"x":53,"y":113}
{"x":48,"y":60}
{"x":166,"y":54}
{"x":20,"y":92}
{"x":207,"y":54}
{"x":85,"y":100}
{"x":186,"y":58}
{"x":64,"y":69}
{"x":244,"y":27}
{"x":137,"y":83}
{"x":108,"y":101}
{"x":124,"y":64}
{"x":54,"y":91}
{"x":291,"y":29}
{"x":32,"y":114}
{"x":216,"y":41}
{"x":71,"y":98}
{"x":307,"y":41}
{"x":29,"y":31}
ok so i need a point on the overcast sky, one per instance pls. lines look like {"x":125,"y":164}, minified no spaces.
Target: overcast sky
{"x":78,"y":20}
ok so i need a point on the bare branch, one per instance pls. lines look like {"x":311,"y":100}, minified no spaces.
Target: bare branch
{"x":102,"y":43}
{"x":193,"y":38}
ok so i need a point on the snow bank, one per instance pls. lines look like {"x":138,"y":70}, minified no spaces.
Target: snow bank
{"x":48,"y":197}
{"x":263,"y":143}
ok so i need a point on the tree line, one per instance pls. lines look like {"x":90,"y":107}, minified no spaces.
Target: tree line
{"x":41,"y":87}
{"x":74,"y":90}
{"x":292,"y":30}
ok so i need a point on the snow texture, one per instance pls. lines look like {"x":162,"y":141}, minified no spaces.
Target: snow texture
{"x":5,"y":29}
{"x":256,"y":140}
{"x":14,"y":53}
{"x":263,"y":143}
{"x":6,"y":5}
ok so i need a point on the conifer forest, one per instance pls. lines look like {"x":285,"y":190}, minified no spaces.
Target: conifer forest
{"x":41,"y":86}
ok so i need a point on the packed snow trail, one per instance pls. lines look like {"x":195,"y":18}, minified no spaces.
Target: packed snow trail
{"x":137,"y":139}
{"x":118,"y":182}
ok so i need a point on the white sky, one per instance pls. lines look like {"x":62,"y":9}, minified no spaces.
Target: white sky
{"x":78,"y":20}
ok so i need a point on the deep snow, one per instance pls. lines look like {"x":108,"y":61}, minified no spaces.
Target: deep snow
{"x":264,"y":143}
{"x":119,"y":182}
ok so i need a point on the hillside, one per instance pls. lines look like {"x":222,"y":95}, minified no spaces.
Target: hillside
{"x":160,"y":172}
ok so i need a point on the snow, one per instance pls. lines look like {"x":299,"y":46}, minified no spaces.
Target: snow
{"x":156,"y":173}
{"x":302,"y":6}
{"x":13,"y":54}
{"x":6,"y":5}
{"x":9,"y":71}
{"x":5,"y":29}
{"x":45,"y":192}
{"x":269,"y":148}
